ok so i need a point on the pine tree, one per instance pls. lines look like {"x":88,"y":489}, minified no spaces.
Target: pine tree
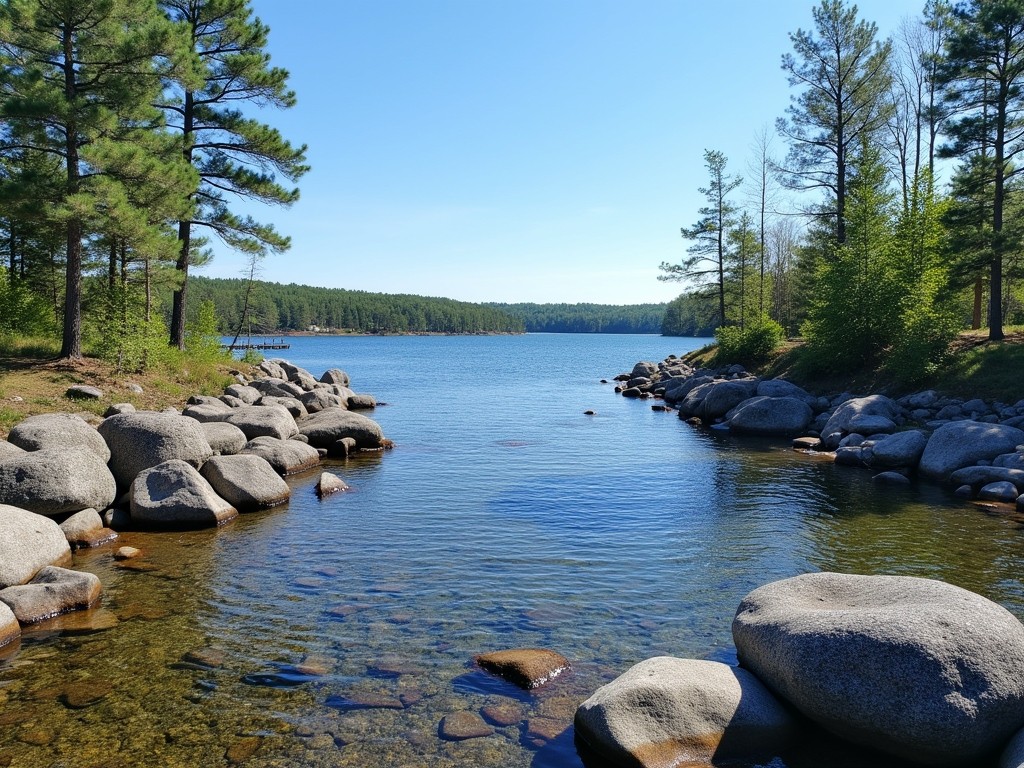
{"x":984,"y":75}
{"x":78,"y":80}
{"x":237,"y":157}
{"x":845,"y":76}
{"x":707,"y":263}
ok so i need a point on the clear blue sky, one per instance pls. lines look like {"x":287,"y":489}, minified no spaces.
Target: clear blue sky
{"x":517,"y":150}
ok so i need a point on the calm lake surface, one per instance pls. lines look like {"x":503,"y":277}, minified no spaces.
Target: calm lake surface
{"x":340,"y":632}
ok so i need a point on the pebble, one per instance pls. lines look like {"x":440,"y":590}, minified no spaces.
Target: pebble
{"x":459,"y":726}
{"x":37,"y":737}
{"x":242,"y":750}
{"x":211,"y":658}
{"x":502,"y":715}
{"x":86,"y":693}
{"x":127,"y":553}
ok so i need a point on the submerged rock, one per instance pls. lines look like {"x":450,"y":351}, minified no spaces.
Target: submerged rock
{"x":460,"y":726}
{"x":667,"y":711}
{"x":914,"y":667}
{"x":526,"y":667}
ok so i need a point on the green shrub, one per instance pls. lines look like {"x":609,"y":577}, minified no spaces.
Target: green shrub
{"x":750,"y":345}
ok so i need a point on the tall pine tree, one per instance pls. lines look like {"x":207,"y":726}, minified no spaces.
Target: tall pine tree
{"x":237,"y":157}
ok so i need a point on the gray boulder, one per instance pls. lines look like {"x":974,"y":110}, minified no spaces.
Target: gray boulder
{"x":272,"y":369}
{"x":335,"y":376}
{"x":320,"y":399}
{"x":207,"y":412}
{"x":978,"y":476}
{"x":117,"y":408}
{"x":52,"y":592}
{"x":293,"y":405}
{"x":298,"y":375}
{"x":890,"y":478}
{"x":277,"y":387}
{"x":1013,"y":755}
{"x":848,"y":410}
{"x":246,"y":481}
{"x":667,"y":711}
{"x":783,"y":416}
{"x":174,"y":495}
{"x":871,"y":424}
{"x":925,"y":399}
{"x":263,"y":421}
{"x":81,"y":524}
{"x":29,"y":542}
{"x":58,"y":430}
{"x":232,"y":401}
{"x":84,"y":392}
{"x":53,"y":481}
{"x":361,"y":402}
{"x":902,"y":449}
{"x":680,"y":388}
{"x":142,"y":440}
{"x":248,"y":395}
{"x":914,"y":667}
{"x":287,"y":457}
{"x":224,"y":439}
{"x":963,"y":443}
{"x":999,"y":491}
{"x":327,"y":427}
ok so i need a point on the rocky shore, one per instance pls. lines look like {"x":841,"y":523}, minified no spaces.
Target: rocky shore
{"x":67,"y":483}
{"x":973,"y":446}
{"x":912,"y":668}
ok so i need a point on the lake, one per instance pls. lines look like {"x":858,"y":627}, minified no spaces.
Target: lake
{"x":339,"y":632}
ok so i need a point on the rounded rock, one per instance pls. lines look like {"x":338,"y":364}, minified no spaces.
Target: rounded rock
{"x":918,"y":668}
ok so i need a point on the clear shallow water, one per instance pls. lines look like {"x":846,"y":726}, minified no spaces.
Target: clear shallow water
{"x":504,"y":517}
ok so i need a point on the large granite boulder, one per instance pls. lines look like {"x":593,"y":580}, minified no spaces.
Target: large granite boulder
{"x":53,"y":481}
{"x":277,"y":387}
{"x":287,"y":457}
{"x":174,"y":495}
{"x":857,"y":408}
{"x":963,"y":443}
{"x":51,"y":592}
{"x":978,"y":476}
{"x":272,"y":369}
{"x":248,"y":395}
{"x":7,"y":450}
{"x":667,"y":712}
{"x":918,"y":668}
{"x":766,"y":415}
{"x":224,"y":439}
{"x":29,"y":542}
{"x":263,"y":421}
{"x":142,"y":440}
{"x":723,"y":396}
{"x":335,"y":376}
{"x":246,"y":481}
{"x":293,"y":405}
{"x":327,"y":427}
{"x":320,"y":399}
{"x":207,"y":412}
{"x":58,"y":430}
{"x":902,"y":449}
{"x":1013,"y":754}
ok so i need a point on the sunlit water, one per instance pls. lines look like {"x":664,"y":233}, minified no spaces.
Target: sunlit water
{"x":504,"y":517}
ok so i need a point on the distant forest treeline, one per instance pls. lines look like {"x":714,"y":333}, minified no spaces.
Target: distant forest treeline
{"x":274,"y":307}
{"x":587,"y":318}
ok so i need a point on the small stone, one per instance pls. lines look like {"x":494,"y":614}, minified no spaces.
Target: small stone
{"x":211,"y":658}
{"x":807,"y":443}
{"x":502,"y":715}
{"x":590,"y":413}
{"x":526,"y":667}
{"x":330,"y":483}
{"x":315,"y":666}
{"x":86,"y":693}
{"x":459,"y":726}
{"x":37,"y":737}
{"x":364,"y":701}
{"x":343,"y":611}
{"x":127,"y":553}
{"x":546,"y":728}
{"x":243,"y":749}
{"x":85,"y":392}
{"x":78,"y":622}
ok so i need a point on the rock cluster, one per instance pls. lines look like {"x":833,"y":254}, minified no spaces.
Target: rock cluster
{"x":220,"y":456}
{"x":916,"y":668}
{"x":974,"y":446}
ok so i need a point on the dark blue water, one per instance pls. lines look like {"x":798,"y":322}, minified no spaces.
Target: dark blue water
{"x":504,"y":517}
